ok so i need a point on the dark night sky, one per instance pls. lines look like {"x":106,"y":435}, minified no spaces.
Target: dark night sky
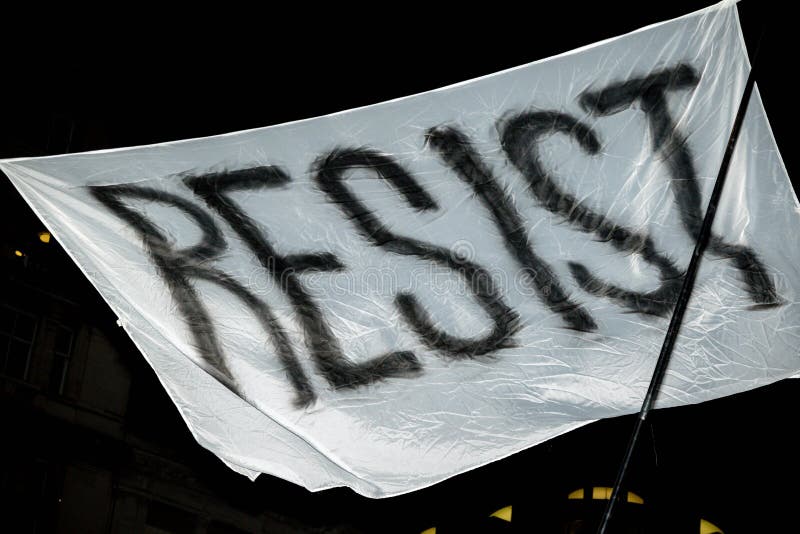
{"x":79,"y":86}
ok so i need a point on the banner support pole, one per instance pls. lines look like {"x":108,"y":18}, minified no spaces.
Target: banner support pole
{"x":683,"y":296}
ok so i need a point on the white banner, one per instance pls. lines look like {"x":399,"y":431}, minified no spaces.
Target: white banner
{"x":386,"y":297}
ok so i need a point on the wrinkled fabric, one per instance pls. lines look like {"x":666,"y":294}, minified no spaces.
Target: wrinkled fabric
{"x":386,"y":297}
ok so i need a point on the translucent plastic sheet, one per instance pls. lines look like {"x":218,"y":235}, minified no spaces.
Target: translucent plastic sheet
{"x":386,"y":297}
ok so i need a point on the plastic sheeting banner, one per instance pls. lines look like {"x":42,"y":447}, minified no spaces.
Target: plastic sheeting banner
{"x":388,"y":296}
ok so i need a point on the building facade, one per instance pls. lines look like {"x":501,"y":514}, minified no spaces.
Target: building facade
{"x":92,"y":442}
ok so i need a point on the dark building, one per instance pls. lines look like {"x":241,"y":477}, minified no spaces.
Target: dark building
{"x":92,"y":443}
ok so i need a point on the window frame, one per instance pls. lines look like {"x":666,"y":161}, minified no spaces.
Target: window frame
{"x":56,"y":354}
{"x":12,"y":336}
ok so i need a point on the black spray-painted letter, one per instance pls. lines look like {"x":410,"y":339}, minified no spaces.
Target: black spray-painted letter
{"x":520,"y":136}
{"x":330,"y":176}
{"x":459,"y":154}
{"x":668,"y":141}
{"x":179,"y":266}
{"x":328,"y":358}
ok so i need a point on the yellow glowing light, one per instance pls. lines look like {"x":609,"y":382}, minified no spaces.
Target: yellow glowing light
{"x":503,"y":513}
{"x":707,"y":527}
{"x":429,"y":531}
{"x":632,"y":497}
{"x":18,"y":253}
{"x":603,"y":494}
{"x":44,"y":237}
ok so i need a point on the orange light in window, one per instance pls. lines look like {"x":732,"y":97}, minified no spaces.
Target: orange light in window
{"x":44,"y":237}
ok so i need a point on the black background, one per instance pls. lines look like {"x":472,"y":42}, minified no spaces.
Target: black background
{"x":96,"y":79}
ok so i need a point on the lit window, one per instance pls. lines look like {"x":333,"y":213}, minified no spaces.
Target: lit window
{"x":707,"y":527}
{"x":603,"y":494}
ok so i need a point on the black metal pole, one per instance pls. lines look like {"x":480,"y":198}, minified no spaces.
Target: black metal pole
{"x":683,"y":300}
